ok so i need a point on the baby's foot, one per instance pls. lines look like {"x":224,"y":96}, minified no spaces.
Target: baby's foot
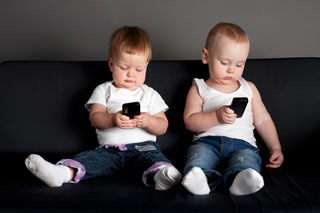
{"x":195,"y":181}
{"x":52,"y":175}
{"x":166,"y":178}
{"x":246,"y":182}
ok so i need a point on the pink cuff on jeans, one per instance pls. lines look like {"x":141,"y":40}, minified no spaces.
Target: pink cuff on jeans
{"x":154,"y":169}
{"x":81,"y":171}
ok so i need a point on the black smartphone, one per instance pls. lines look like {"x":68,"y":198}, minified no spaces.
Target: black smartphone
{"x":238,"y":105}
{"x":131,"y":109}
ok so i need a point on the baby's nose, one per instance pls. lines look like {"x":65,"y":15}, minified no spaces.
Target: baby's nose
{"x":130,"y":73}
{"x":230,"y":70}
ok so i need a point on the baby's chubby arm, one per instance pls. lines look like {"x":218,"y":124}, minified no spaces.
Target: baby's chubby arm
{"x":266,"y":128}
{"x":101,"y":119}
{"x":196,"y":120}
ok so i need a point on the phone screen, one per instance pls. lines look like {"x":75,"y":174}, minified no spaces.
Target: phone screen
{"x":239,"y":105}
{"x":131,"y":109}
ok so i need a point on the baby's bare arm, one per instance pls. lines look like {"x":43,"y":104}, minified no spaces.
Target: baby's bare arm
{"x":266,"y":128}
{"x":194,"y":117}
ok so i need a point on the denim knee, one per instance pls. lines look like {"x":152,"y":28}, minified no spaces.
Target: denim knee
{"x":201,"y":155}
{"x":243,"y":159}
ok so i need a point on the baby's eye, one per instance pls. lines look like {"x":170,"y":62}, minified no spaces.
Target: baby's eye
{"x":123,"y":67}
{"x":140,"y":69}
{"x":239,"y":65}
{"x":223,"y":62}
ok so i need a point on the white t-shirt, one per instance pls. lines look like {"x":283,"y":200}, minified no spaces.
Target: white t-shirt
{"x":243,"y":127}
{"x":113,"y":98}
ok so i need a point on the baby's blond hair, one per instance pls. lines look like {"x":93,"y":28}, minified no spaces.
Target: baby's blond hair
{"x":232,"y":31}
{"x":131,"y":40}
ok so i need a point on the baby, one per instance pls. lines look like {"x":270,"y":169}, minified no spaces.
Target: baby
{"x":126,"y":144}
{"x":221,"y":137}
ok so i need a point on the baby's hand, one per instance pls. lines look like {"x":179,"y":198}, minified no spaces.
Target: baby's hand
{"x":123,"y":121}
{"x":144,"y":120}
{"x":276,"y":159}
{"x":226,"y":115}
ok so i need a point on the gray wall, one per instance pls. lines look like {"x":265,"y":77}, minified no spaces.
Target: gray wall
{"x":80,"y":29}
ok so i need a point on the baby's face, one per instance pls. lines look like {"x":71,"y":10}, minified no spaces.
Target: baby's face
{"x":226,"y":59}
{"x":128,"y":70}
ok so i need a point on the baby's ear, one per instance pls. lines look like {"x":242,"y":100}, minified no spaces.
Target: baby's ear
{"x":204,"y":55}
{"x":110,"y":63}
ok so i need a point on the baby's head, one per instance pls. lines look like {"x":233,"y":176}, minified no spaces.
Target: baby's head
{"x":131,"y":40}
{"x":226,"y":51}
{"x":229,"y":30}
{"x":129,"y":55}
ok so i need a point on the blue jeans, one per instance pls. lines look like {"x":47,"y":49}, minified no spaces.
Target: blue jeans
{"x":235,"y":155}
{"x":138,"y":160}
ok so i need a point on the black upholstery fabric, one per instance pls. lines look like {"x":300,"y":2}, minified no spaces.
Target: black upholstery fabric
{"x":42,"y":111}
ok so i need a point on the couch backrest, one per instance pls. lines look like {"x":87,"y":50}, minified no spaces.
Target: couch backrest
{"x":42,"y":106}
{"x":42,"y":102}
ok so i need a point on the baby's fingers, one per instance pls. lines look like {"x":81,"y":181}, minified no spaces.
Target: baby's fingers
{"x":124,"y":118}
{"x":229,"y":110}
{"x":273,"y":166}
{"x":229,"y":118}
{"x":275,"y":161}
{"x":277,"y":157}
{"x":127,"y":124}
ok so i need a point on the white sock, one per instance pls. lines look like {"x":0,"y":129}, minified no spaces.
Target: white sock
{"x":166,"y":178}
{"x":195,"y":181}
{"x":246,"y":182}
{"x":52,"y":175}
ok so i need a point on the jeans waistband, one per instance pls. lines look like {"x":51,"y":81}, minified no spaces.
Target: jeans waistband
{"x":121,"y":147}
{"x":124,"y":147}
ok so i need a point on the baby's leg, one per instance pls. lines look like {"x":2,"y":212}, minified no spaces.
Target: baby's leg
{"x":195,"y":181}
{"x":200,"y":157}
{"x":246,"y":182}
{"x":166,"y":178}
{"x":52,"y":175}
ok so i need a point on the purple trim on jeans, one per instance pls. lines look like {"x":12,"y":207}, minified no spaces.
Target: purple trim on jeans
{"x":81,"y":171}
{"x":122,"y":147}
{"x":154,"y":169}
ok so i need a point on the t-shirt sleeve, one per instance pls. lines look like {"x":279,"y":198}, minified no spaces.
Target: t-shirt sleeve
{"x":157,"y":104}
{"x":99,"y":96}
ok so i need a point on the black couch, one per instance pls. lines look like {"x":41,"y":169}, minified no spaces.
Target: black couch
{"x":42,"y":111}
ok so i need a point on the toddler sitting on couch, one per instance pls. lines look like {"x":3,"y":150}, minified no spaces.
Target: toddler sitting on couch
{"x":126,"y":145}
